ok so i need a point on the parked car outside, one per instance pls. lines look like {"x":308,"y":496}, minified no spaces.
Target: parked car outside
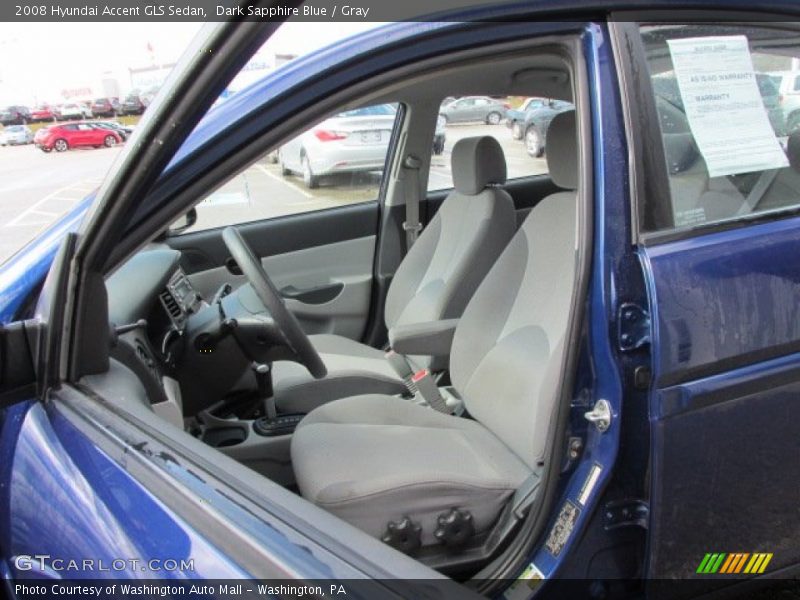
{"x":515,"y":117}
{"x":615,"y":419}
{"x":105,"y":107}
{"x":15,"y":115}
{"x":788,"y":83}
{"x":132,"y":105}
{"x":351,"y":142}
{"x":42,"y":113}
{"x":475,"y":108}
{"x":74,"y":135}
{"x":73,"y":111}
{"x":440,"y":135}
{"x":15,"y":135}
{"x":124,"y":131}
{"x":536,"y":123}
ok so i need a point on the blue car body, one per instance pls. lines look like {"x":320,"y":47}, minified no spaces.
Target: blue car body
{"x":716,"y":411}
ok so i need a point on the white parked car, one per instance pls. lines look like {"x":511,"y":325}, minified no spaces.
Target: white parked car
{"x":14,"y":135}
{"x":74,"y":110}
{"x":788,"y":83}
{"x":353,"y":141}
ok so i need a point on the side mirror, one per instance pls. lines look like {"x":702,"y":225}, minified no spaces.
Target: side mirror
{"x":183,"y":223}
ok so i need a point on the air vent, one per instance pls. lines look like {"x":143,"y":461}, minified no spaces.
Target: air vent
{"x":172,"y":306}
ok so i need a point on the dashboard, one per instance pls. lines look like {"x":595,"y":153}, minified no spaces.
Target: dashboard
{"x":170,"y":335}
{"x":179,"y":299}
{"x":132,"y":292}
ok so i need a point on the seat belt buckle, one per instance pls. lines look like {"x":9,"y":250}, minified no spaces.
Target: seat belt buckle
{"x":415,"y":227}
{"x":423,"y":381}
{"x":400,"y":365}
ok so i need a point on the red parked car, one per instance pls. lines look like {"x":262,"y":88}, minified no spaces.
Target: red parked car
{"x":106,"y":107}
{"x":72,"y":135}
{"x":45,"y":112}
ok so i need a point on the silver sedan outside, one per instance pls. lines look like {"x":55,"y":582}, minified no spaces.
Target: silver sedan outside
{"x":350,"y":142}
{"x":16,"y":135}
{"x":474,"y":108}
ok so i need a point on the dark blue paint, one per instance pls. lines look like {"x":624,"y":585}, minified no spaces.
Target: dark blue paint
{"x":725,"y":297}
{"x":610,"y":222}
{"x":66,"y":498}
{"x":725,"y":439}
{"x":724,"y":480}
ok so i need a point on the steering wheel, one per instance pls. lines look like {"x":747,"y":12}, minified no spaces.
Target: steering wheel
{"x":270,"y":297}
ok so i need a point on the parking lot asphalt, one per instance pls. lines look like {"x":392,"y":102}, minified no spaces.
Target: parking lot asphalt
{"x":36,"y":188}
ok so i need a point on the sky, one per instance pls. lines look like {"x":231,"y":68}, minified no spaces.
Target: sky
{"x":51,"y":57}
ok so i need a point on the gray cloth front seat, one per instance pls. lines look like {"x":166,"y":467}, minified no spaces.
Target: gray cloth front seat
{"x":373,"y":459}
{"x":433,"y":283}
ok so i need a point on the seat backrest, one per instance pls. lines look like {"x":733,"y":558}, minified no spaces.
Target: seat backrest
{"x":458,"y":247}
{"x":509,"y":346}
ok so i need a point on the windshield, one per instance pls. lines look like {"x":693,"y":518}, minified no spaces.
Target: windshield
{"x":84,"y":65}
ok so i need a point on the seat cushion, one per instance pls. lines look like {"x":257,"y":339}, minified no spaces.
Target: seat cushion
{"x":353,"y":368}
{"x":372,"y":459}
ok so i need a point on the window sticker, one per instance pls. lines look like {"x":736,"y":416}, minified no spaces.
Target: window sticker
{"x":724,"y":106}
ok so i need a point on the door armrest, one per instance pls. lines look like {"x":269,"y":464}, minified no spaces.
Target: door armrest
{"x":432,"y":338}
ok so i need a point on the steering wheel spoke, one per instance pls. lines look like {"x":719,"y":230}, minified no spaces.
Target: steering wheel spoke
{"x":296,"y":339}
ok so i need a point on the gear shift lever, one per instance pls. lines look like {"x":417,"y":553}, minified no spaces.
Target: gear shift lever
{"x":264,"y":386}
{"x":271,"y":424}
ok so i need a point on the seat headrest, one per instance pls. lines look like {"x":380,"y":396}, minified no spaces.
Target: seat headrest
{"x":680,"y":151}
{"x":476,"y":163}
{"x":562,"y":150}
{"x":793,"y":150}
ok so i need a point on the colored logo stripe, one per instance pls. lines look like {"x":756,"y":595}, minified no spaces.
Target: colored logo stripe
{"x":758,"y":563}
{"x":736,"y":562}
{"x":711,"y":563}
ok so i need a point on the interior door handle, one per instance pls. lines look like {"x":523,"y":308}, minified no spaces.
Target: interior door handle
{"x":314,"y":295}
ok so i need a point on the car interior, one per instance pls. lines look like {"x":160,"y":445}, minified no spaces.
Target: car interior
{"x":410,"y":387}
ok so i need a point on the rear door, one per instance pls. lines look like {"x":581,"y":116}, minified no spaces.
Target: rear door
{"x":317,"y":244}
{"x":719,"y":233}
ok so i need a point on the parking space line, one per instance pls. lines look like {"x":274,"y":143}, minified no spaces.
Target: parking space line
{"x":29,"y":224}
{"x":34,"y":208}
{"x":285,"y":182}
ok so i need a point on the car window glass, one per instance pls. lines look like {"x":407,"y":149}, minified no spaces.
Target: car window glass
{"x":519,"y":124}
{"x":337,"y":162}
{"x":724,"y":124}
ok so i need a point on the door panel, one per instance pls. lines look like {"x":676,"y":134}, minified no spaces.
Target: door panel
{"x":342,"y":268}
{"x":725,"y":431}
{"x":324,"y":257}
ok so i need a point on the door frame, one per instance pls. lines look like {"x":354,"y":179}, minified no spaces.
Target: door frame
{"x":90,"y":262}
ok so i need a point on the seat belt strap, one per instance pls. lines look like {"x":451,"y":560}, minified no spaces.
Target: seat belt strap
{"x":400,"y":365}
{"x":758,"y":191}
{"x":420,"y":383}
{"x":411,"y":225}
{"x":429,"y":390}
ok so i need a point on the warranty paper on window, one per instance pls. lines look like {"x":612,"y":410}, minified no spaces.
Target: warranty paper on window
{"x":724,"y":106}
